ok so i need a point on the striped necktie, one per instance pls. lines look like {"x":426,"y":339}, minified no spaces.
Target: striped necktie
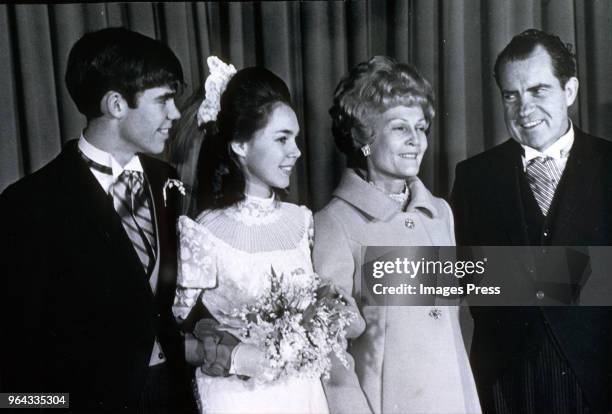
{"x":132,"y":204}
{"x":543,"y":175}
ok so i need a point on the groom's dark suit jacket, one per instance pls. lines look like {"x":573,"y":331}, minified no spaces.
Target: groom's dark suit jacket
{"x":78,"y":314}
{"x":493,"y":206}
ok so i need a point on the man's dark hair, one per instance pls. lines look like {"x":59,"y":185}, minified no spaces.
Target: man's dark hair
{"x":523,"y":44}
{"x":120,"y":60}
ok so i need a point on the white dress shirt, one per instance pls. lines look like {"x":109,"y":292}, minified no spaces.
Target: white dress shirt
{"x":559,"y":151}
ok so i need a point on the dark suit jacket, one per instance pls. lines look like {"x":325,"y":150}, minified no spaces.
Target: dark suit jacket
{"x":489,"y":211}
{"x":78,"y":313}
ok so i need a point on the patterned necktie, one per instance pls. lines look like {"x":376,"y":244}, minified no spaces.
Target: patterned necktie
{"x":132,"y":205}
{"x":543,"y":175}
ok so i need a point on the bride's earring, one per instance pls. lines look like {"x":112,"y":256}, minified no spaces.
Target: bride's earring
{"x":366,"y":150}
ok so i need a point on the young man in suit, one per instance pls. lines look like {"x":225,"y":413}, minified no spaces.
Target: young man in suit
{"x":550,"y":184}
{"x":88,"y":242}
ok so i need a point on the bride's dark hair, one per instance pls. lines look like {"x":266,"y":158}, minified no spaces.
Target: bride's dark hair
{"x":246,"y":104}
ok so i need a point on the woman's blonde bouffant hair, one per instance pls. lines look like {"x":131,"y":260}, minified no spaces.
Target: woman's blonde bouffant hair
{"x":371,"y":88}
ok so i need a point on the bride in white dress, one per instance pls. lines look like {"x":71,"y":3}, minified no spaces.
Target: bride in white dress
{"x":227,"y":253}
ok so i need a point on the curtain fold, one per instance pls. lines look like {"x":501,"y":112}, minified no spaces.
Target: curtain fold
{"x":311,"y":45}
{"x":11,"y":159}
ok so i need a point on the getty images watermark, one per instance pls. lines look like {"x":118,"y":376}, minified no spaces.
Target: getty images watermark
{"x":486,"y":276}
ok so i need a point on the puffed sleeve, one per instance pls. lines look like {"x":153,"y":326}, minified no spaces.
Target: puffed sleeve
{"x":333,"y":261}
{"x":197,"y":268}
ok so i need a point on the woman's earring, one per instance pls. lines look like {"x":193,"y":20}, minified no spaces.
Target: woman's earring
{"x":366,"y":150}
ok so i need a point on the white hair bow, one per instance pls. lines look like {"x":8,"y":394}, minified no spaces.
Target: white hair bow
{"x":216,"y":82}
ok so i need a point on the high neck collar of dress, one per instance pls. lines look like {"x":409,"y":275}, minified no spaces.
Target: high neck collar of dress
{"x":255,"y":210}
{"x":260,"y":201}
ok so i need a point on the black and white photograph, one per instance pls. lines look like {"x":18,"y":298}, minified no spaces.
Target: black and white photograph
{"x":210,"y":207}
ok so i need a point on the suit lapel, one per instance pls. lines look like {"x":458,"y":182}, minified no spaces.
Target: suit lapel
{"x":509,"y":200}
{"x":95,"y":207}
{"x":576,"y":183}
{"x":165,"y":218}
{"x":156,"y":182}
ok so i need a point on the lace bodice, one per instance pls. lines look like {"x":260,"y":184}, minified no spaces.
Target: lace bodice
{"x":226,"y":255}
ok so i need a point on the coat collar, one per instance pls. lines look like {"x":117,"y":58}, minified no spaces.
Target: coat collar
{"x":373,"y":202}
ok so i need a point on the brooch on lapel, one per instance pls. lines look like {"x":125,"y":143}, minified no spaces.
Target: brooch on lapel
{"x":170,"y":183}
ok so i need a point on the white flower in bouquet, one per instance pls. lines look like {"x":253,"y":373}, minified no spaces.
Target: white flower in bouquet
{"x":298,"y":326}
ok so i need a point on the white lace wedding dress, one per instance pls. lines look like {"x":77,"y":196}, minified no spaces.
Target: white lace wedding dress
{"x":225,"y":257}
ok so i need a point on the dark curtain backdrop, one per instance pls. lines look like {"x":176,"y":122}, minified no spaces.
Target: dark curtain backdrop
{"x":311,"y":45}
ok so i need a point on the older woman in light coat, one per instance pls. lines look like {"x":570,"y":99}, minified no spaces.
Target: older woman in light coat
{"x":409,"y":359}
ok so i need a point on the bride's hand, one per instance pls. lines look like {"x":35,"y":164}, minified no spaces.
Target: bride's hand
{"x":250,"y":361}
{"x":210,"y":348}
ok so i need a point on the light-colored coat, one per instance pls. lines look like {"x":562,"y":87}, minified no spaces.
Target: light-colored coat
{"x":405,"y":361}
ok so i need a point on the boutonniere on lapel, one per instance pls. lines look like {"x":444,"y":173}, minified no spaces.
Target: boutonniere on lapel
{"x":173,"y":183}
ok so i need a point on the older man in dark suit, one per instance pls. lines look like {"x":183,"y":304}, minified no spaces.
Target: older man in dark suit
{"x":551,"y":184}
{"x":88,"y":242}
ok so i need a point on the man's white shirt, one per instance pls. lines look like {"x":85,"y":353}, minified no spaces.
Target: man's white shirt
{"x":559,"y":151}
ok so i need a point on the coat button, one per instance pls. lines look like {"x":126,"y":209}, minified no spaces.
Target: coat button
{"x":540,"y":295}
{"x":409,"y":223}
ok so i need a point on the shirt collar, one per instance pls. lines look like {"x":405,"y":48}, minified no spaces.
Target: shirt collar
{"x":372,"y":201}
{"x":558,"y":150}
{"x":106,"y":159}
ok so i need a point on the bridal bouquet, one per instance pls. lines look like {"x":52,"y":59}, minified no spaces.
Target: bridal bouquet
{"x":298,"y":326}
